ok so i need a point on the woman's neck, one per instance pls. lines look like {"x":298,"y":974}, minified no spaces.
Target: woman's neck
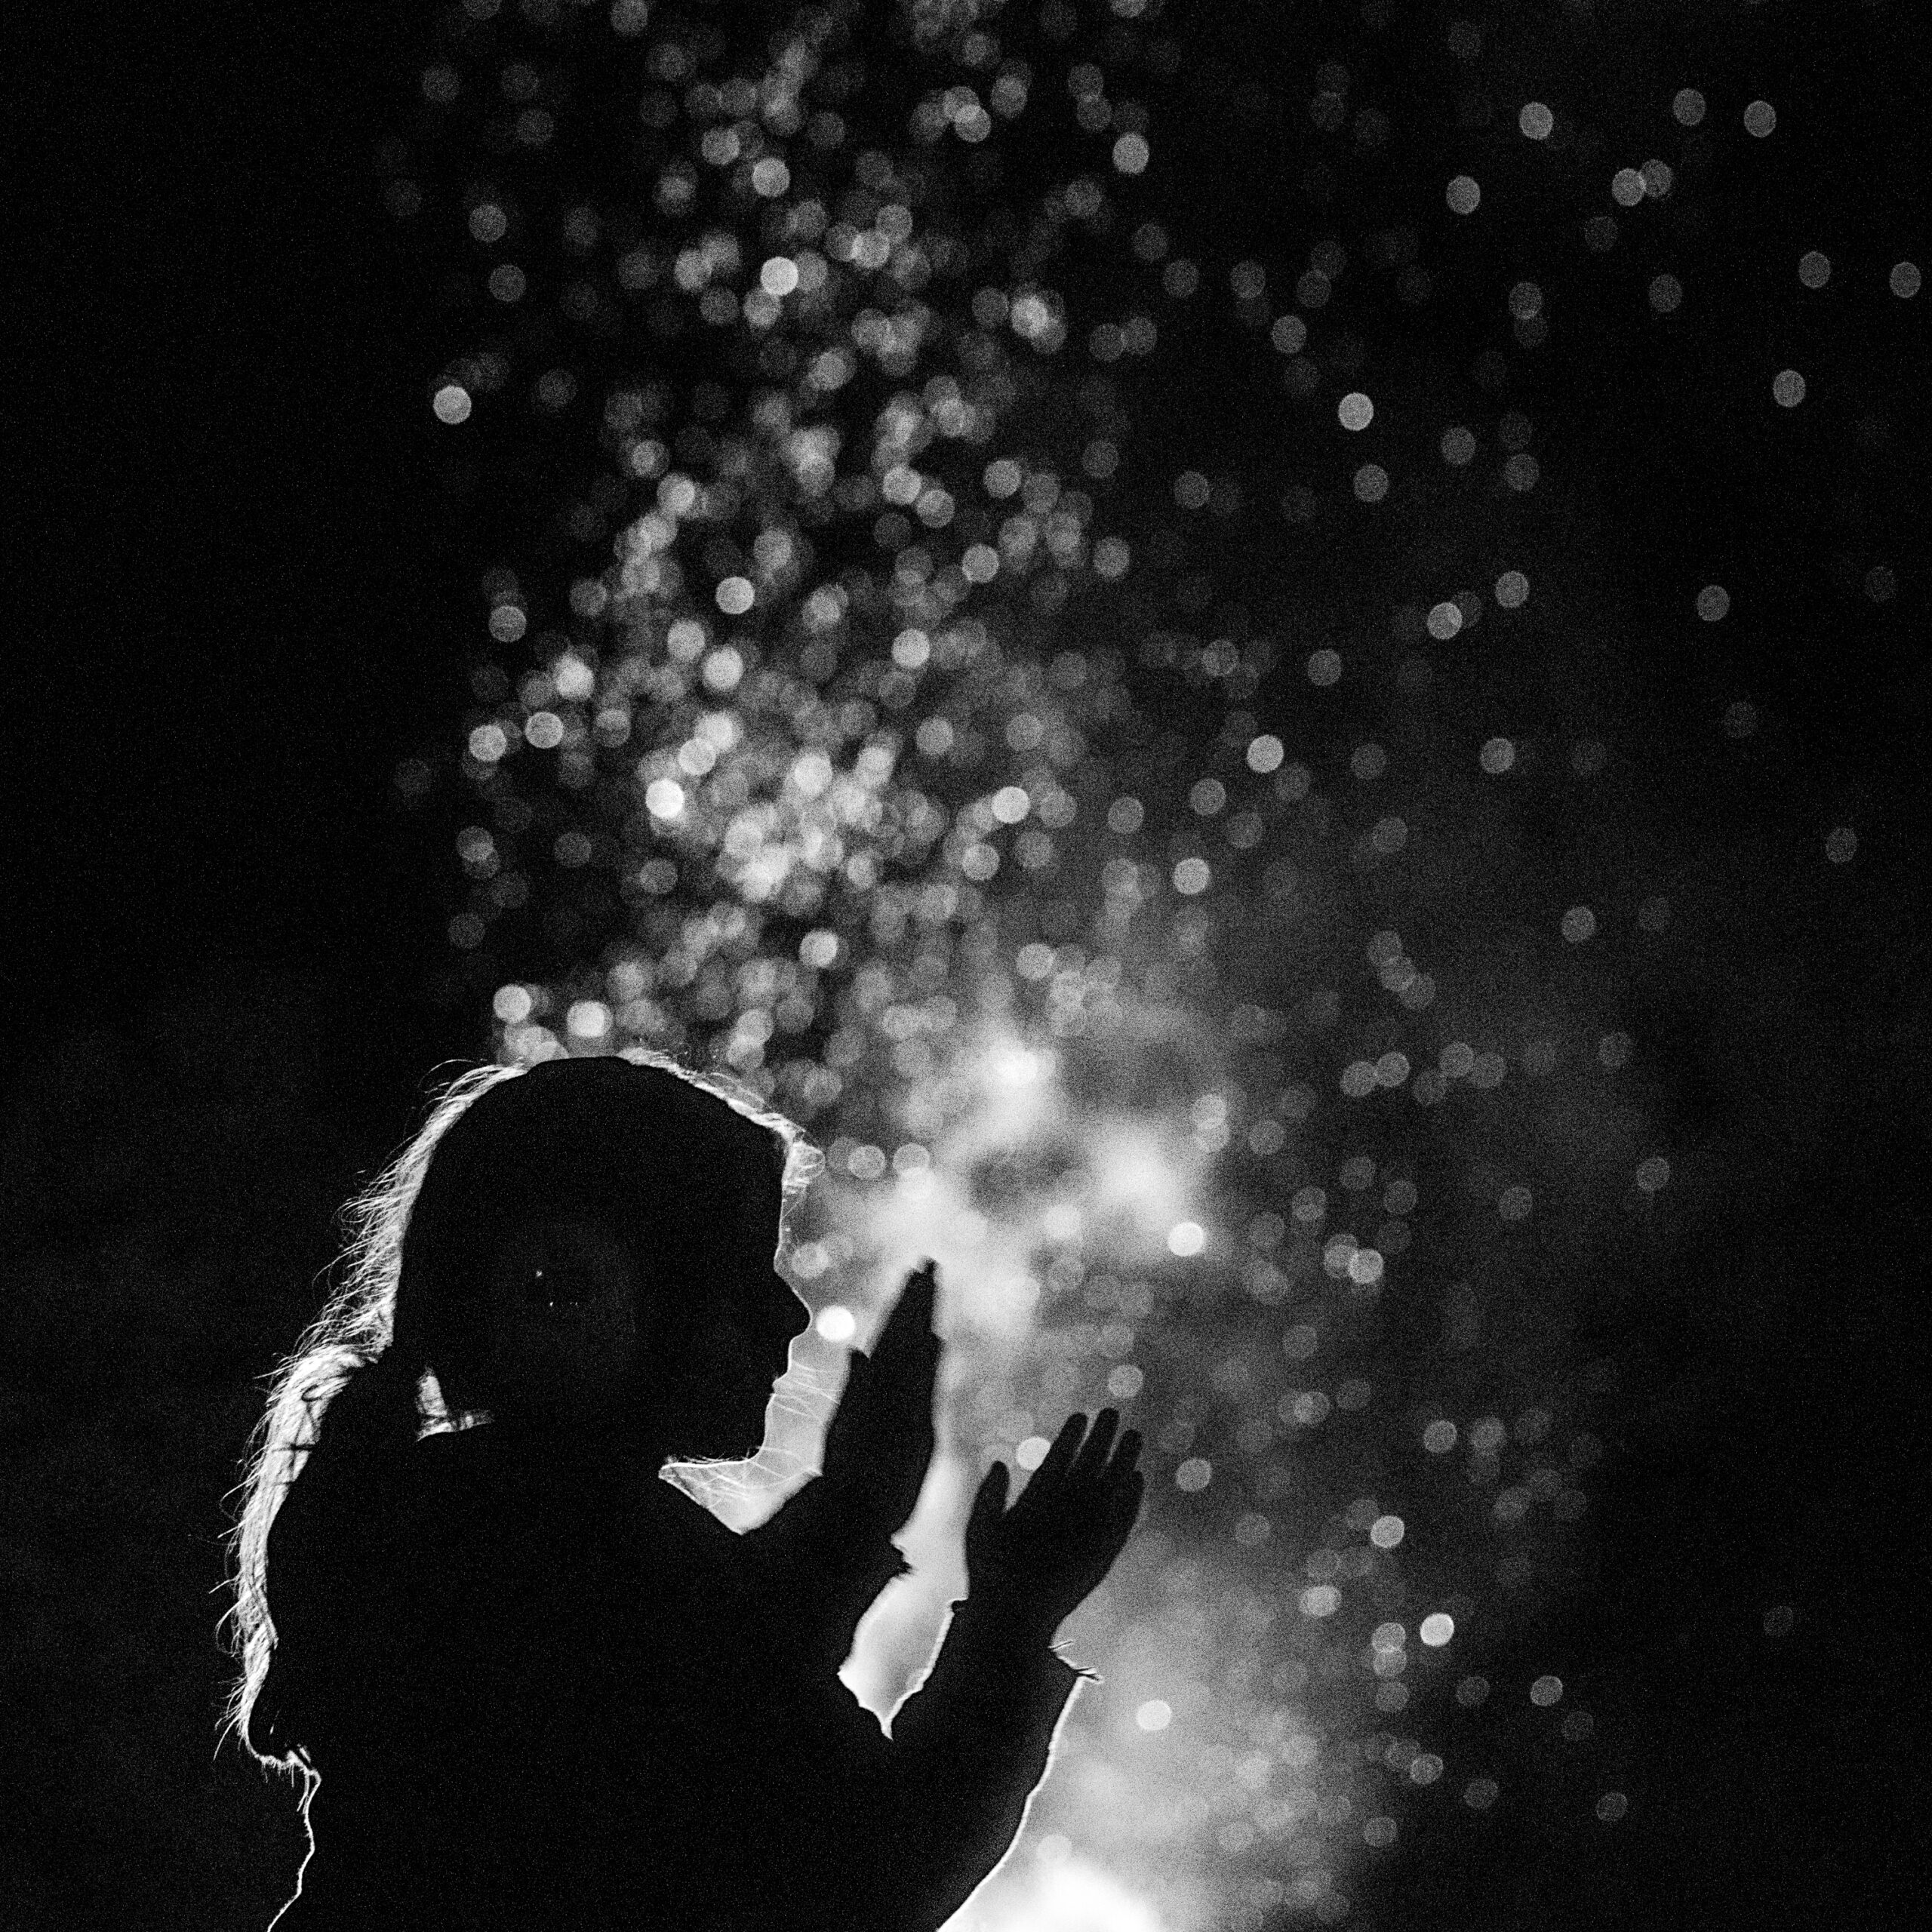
{"x":602,"y":1441}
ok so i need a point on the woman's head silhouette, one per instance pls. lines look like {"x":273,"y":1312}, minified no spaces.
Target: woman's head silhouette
{"x":592,"y":1246}
{"x":583,"y":1249}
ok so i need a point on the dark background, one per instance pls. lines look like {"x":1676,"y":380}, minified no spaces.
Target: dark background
{"x":232,"y":592}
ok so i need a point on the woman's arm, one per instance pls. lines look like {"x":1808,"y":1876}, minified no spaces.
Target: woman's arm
{"x":900,"y":1832}
{"x":859,"y":1832}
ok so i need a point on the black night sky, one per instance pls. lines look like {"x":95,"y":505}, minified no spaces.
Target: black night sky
{"x":244,"y":596}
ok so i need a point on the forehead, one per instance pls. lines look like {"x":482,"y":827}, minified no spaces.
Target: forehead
{"x":645,"y":1216}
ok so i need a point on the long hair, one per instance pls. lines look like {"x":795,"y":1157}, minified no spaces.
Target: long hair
{"x":351,"y":1342}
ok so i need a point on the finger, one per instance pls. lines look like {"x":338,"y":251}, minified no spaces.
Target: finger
{"x":901,"y":1347}
{"x":910,"y":1321}
{"x":1121,"y":1526}
{"x":908,"y":1371}
{"x":1093,"y":1457}
{"x":1120,"y":1511}
{"x":1053,"y":1464}
{"x":1127,"y":1453}
{"x":917,"y":1294}
{"x":988,"y":1502}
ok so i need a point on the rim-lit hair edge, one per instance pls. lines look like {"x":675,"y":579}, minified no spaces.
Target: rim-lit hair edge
{"x":353,"y":1331}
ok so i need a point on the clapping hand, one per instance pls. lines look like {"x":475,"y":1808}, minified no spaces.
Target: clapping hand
{"x":881,"y":1440}
{"x":1040,"y":1560}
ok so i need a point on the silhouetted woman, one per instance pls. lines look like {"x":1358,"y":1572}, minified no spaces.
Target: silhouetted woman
{"x":527,"y":1683}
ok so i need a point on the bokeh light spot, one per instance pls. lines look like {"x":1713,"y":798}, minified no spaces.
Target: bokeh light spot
{"x":1186,"y":1238}
{"x":588,"y":1020}
{"x":836,"y":1323}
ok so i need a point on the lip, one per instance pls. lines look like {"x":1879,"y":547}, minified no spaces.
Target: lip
{"x":751,"y":1379}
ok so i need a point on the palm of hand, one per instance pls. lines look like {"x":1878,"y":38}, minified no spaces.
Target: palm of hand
{"x":1047,"y":1553}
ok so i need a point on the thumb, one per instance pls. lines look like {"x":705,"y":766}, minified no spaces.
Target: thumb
{"x":988,"y":1504}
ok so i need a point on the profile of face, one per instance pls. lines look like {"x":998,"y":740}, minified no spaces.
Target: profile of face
{"x":570,"y":1312}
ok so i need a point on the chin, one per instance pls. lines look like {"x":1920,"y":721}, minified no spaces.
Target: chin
{"x":731,"y":1430}
{"x":736,"y":1440}
{"x":723,"y":1449}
